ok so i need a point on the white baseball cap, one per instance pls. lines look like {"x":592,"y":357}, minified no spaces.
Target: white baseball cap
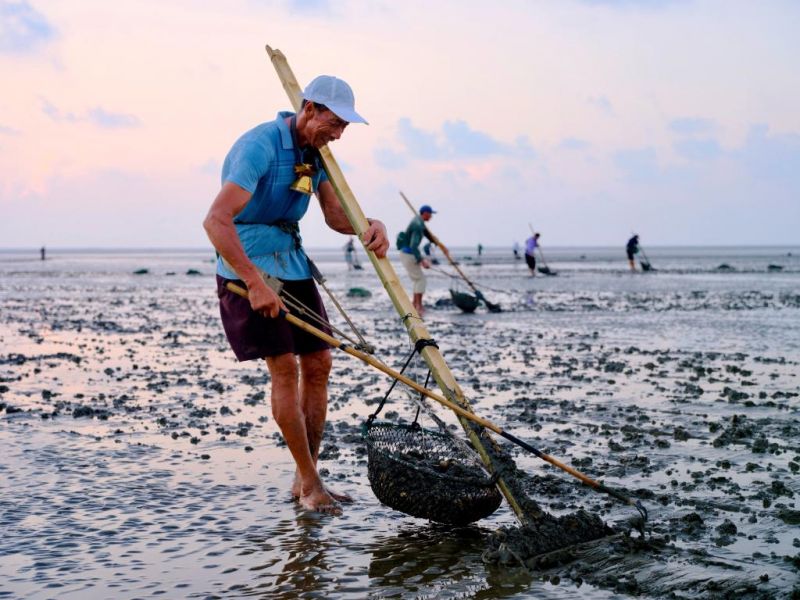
{"x":336,"y":95}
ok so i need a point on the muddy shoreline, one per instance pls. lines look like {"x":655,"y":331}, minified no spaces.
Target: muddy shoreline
{"x":138,"y":458}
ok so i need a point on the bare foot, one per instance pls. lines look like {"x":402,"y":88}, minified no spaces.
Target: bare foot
{"x":338,"y":496}
{"x":320,"y":501}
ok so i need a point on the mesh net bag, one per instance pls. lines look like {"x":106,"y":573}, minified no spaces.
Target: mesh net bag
{"x":427,"y":474}
{"x":465,"y":302}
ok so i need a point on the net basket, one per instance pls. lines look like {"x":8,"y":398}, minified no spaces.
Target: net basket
{"x":427,"y":474}
{"x":465,"y":302}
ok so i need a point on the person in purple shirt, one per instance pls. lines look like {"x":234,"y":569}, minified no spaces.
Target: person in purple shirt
{"x":530,"y":252}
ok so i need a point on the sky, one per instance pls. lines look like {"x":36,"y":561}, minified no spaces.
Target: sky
{"x":587,"y":120}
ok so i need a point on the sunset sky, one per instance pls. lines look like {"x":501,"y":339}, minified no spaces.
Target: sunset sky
{"x":590,"y":119}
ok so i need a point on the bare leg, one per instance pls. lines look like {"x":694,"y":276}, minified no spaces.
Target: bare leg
{"x":289,"y":415}
{"x":314,"y":371}
{"x":417,"y":302}
{"x":632,"y":265}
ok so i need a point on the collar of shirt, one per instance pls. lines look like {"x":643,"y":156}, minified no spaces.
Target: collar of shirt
{"x":283,"y":127}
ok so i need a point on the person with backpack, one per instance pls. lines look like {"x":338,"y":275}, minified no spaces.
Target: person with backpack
{"x":408,"y":242}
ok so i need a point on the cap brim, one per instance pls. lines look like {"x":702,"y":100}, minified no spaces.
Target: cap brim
{"x":348,"y":114}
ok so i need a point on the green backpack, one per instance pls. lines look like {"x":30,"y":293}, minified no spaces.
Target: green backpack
{"x":401,"y":240}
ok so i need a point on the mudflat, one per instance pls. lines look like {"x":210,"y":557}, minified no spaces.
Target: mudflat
{"x":138,"y":459}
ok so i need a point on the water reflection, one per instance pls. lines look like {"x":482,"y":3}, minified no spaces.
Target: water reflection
{"x":296,"y":562}
{"x":439,"y":560}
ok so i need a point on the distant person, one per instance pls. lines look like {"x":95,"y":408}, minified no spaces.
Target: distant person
{"x":515,"y":248}
{"x":349,"y":254}
{"x":530,"y":252}
{"x":408,"y":242}
{"x":631,"y":248}
{"x":480,"y":249}
{"x":43,"y":252}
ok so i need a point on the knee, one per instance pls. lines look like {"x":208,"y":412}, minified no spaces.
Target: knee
{"x":316,"y":367}
{"x":283,"y":371}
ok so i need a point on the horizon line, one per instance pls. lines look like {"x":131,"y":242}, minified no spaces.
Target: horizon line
{"x":37,"y":249}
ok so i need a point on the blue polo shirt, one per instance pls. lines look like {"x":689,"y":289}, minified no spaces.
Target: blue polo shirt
{"x":262,"y":162}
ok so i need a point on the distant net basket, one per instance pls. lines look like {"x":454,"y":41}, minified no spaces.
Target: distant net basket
{"x":466,"y":302}
{"x":427,"y":474}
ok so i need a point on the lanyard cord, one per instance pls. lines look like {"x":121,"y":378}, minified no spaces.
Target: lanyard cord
{"x":301,"y":309}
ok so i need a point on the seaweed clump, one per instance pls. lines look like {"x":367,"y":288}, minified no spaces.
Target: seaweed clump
{"x":543,"y":543}
{"x":543,"y":538}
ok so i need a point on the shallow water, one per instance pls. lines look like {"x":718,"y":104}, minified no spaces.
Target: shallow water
{"x":138,"y":459}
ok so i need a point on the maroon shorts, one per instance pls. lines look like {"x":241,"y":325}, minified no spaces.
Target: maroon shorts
{"x":253,"y":336}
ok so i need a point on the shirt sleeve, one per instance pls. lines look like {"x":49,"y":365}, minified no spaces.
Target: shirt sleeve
{"x":414,"y":239}
{"x":247,"y":163}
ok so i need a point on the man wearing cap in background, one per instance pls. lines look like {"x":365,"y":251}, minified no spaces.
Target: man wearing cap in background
{"x":253,"y":224}
{"x":413,"y":261}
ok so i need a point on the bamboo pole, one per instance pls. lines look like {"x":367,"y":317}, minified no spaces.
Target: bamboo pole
{"x":413,"y":322}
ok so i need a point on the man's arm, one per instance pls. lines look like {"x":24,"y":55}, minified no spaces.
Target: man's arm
{"x":436,"y":241}
{"x":375,"y":237}
{"x":220,"y":229}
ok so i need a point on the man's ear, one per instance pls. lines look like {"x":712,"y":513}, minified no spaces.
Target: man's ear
{"x":309,"y":110}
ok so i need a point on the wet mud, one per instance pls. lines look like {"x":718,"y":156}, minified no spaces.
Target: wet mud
{"x":137,"y":458}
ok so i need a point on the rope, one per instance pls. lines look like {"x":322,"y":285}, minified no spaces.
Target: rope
{"x":301,"y":309}
{"x":486,"y":287}
{"x":318,"y":277}
{"x":419,"y":345}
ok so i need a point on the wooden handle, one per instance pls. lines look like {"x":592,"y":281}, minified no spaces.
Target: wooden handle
{"x":334,"y":343}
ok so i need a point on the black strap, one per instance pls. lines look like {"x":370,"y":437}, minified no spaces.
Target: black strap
{"x":422,"y":396}
{"x":424,"y":343}
{"x":418,"y":346}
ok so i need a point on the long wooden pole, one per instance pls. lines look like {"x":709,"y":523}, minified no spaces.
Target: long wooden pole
{"x":402,"y":303}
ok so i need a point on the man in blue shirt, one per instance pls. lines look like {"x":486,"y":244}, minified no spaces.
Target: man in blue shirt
{"x":253,"y":224}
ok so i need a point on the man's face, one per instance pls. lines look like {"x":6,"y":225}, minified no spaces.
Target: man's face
{"x":323,"y":127}
{"x":426,"y":216}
